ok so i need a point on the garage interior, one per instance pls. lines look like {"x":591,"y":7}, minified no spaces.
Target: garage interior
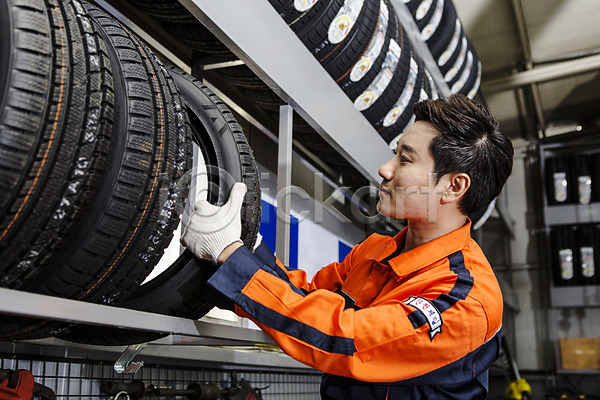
{"x":540,"y":77}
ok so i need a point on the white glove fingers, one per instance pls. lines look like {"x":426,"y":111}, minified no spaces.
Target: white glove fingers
{"x":236,"y":197}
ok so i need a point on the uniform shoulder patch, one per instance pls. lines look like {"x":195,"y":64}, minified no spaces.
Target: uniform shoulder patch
{"x":430,"y":312}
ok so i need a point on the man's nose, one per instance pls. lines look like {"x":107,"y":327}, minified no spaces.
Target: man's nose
{"x":386,"y":171}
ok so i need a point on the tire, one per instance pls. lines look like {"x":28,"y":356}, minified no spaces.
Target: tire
{"x":445,"y":31}
{"x":421,"y":11}
{"x":343,"y":58}
{"x":197,"y":36}
{"x":320,"y":13}
{"x":449,"y":55}
{"x":315,"y":35}
{"x":25,"y":135}
{"x":351,"y":82}
{"x":430,"y":87}
{"x":136,"y":206}
{"x":457,"y":64}
{"x":472,"y":84}
{"x":293,"y":11}
{"x":70,"y":146}
{"x":474,"y":88}
{"x":179,"y":291}
{"x":263,"y":97}
{"x":224,"y":146}
{"x":390,"y":133}
{"x":384,"y":102}
{"x":466,"y":72}
{"x":242,"y":76}
{"x":165,"y":10}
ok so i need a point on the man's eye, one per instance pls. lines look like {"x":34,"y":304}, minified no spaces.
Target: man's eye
{"x":404,"y":159}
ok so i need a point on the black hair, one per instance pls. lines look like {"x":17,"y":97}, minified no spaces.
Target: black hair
{"x":469,"y":142}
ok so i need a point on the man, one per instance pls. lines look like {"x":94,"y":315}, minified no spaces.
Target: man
{"x":411,"y":316}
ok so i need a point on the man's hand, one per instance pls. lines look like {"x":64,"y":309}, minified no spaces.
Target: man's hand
{"x":212,"y":229}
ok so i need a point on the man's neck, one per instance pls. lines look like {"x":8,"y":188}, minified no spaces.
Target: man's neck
{"x":423,"y":232}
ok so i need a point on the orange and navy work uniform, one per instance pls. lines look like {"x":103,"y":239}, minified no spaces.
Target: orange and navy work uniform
{"x":382,"y":324}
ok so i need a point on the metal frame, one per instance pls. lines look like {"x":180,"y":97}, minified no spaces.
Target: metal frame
{"x":254,"y":32}
{"x":420,"y":47}
{"x":26,"y":304}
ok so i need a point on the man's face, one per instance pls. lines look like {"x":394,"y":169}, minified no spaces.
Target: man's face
{"x":408,"y":190}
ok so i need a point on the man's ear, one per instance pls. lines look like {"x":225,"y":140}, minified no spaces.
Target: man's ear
{"x":457,"y":187}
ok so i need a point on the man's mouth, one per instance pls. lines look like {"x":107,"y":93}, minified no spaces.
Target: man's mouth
{"x":383,"y":191}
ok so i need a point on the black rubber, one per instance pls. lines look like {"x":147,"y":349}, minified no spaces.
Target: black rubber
{"x":136,"y":207}
{"x":313,"y":18}
{"x":466,"y":72}
{"x":28,"y":71}
{"x":165,"y":10}
{"x":291,"y":15}
{"x":392,"y":92}
{"x":413,"y":7}
{"x":179,"y":290}
{"x":452,"y":58}
{"x":58,"y":178}
{"x":241,"y":75}
{"x":391,"y":132}
{"x":473,"y":77}
{"x":315,"y":32}
{"x":438,"y":42}
{"x":263,"y":97}
{"x":197,"y":36}
{"x":224,"y":147}
{"x":349,"y":51}
{"x":354,"y":88}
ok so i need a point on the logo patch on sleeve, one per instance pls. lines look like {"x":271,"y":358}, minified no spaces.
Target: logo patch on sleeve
{"x":430,"y":312}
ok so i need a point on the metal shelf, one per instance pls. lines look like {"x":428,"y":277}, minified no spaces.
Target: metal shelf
{"x":254,"y":32}
{"x":572,"y":214}
{"x":575,"y":296}
{"x":26,"y":304}
{"x":183,"y":354}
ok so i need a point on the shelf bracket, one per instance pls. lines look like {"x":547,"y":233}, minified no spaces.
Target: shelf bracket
{"x":125,"y":363}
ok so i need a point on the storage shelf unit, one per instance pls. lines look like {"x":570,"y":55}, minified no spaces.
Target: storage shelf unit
{"x":576,"y":296}
{"x":569,"y":214}
{"x":253,"y":31}
{"x":572,"y":214}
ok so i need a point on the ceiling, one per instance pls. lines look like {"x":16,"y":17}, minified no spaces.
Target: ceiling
{"x":541,"y":63}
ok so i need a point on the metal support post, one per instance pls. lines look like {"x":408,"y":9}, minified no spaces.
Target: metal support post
{"x":284,"y":183}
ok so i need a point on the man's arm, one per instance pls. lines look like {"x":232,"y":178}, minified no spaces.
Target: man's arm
{"x":380,"y":343}
{"x":377,"y":344}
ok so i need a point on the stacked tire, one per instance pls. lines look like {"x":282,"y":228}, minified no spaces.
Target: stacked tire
{"x":361,"y":44}
{"x":442,"y":31}
{"x":95,"y":152}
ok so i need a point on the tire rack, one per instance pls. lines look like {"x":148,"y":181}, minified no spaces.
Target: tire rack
{"x":252,"y":31}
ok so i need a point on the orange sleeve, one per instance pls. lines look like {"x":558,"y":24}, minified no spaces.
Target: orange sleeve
{"x":375,"y":344}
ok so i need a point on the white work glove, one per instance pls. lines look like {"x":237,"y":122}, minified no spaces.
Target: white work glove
{"x":211,"y":228}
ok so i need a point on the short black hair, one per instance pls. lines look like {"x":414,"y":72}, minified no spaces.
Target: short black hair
{"x":469,"y":142}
